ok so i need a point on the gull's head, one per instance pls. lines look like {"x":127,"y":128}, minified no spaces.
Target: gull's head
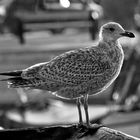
{"x":112,"y":31}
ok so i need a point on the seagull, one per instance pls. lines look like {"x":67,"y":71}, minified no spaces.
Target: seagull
{"x":76,"y":74}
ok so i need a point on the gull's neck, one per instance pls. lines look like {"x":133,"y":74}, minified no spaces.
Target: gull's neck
{"x":108,"y":40}
{"x":113,"y":48}
{"x":110,"y":44}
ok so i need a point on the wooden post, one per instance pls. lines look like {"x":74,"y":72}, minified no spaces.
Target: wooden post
{"x":66,"y":132}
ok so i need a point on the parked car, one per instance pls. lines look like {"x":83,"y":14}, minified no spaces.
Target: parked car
{"x":53,"y":15}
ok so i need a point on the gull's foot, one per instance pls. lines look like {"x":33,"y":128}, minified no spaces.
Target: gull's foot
{"x":89,"y":125}
{"x":80,"y":124}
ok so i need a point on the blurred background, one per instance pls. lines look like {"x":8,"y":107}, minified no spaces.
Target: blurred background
{"x":34,"y":31}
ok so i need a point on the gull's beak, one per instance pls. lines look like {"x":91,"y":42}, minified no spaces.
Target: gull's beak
{"x":128,"y":34}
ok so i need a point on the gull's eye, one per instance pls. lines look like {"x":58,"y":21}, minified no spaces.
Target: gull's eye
{"x":111,"y":29}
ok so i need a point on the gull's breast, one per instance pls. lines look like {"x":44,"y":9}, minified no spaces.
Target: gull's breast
{"x":116,"y":60}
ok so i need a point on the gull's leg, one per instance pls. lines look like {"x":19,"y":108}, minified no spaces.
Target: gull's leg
{"x":79,"y":110}
{"x":86,"y":109}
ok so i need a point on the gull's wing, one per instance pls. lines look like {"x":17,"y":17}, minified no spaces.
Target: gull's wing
{"x":33,"y":71}
{"x":73,"y":67}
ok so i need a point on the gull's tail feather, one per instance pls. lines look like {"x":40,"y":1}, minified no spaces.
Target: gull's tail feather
{"x":12,"y":73}
{"x":17,"y":82}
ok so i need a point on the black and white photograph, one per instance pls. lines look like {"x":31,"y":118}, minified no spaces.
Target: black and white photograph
{"x":70,"y":69}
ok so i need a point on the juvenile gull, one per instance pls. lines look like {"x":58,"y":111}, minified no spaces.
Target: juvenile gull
{"x":78,"y":73}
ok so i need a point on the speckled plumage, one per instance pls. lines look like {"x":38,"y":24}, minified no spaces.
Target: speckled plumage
{"x":80,"y":72}
{"x":75,"y":73}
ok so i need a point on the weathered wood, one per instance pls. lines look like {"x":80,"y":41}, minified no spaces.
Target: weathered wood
{"x":67,"y":132}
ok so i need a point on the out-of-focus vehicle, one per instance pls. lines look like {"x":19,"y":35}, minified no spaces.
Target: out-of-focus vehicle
{"x":53,"y":15}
